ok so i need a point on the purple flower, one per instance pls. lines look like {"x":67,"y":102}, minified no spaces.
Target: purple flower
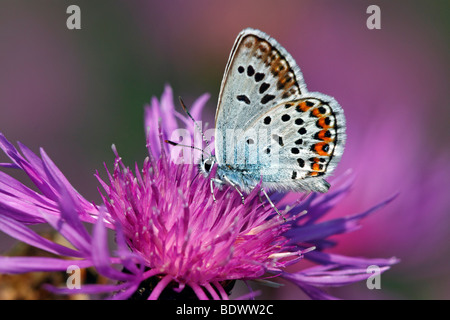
{"x":172,"y":240}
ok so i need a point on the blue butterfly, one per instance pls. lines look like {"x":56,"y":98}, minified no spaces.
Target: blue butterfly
{"x":268,"y":127}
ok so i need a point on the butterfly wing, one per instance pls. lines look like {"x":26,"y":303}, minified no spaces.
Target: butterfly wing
{"x":297,"y":143}
{"x":278,"y":130}
{"x":259,"y":74}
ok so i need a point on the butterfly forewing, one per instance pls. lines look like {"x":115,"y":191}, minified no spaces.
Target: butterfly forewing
{"x":259,"y":74}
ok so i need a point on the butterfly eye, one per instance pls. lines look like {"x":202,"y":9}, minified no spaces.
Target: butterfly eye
{"x":208,"y":165}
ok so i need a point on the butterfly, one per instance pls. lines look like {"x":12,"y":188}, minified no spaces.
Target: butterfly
{"x":268,"y":127}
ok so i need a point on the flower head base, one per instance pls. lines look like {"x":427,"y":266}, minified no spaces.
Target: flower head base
{"x":172,"y":237}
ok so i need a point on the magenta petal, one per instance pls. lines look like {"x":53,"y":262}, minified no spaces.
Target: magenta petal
{"x":33,"y":172}
{"x":60,"y":182}
{"x":19,"y":210}
{"x":88,"y":289}
{"x":167,"y":107}
{"x":24,"y":234}
{"x":327,"y":278}
{"x":33,"y":159}
{"x":100,"y":253}
{"x":9,"y":165}
{"x":315,"y":293}
{"x":332,"y":258}
{"x":9,"y":149}
{"x":14,"y":188}
{"x":325,"y":229}
{"x":125,"y":292}
{"x":321,"y":205}
{"x":132,"y":262}
{"x":322,"y":230}
{"x":70,"y":214}
{"x":81,"y":242}
{"x":15,"y":265}
{"x":198,"y":105}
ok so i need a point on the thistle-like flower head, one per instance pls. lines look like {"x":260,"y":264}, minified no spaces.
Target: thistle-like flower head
{"x":172,"y":239}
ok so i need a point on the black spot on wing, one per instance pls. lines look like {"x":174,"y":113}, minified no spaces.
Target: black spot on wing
{"x":267,"y":98}
{"x":243,"y":98}
{"x":259,"y":76}
{"x":263,"y":88}
{"x":302,"y":131}
{"x":250,"y":71}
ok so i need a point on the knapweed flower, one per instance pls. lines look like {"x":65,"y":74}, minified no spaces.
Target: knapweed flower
{"x":172,"y":240}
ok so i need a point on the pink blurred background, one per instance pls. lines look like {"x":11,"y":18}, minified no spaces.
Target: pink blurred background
{"x":75,"y":92}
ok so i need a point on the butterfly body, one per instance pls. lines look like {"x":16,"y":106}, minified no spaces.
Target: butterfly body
{"x":269,"y":128}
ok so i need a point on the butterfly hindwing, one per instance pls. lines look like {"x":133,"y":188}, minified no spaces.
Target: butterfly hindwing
{"x":297,"y":143}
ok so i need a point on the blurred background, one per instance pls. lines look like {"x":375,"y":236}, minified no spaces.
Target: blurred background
{"x":76,"y":92}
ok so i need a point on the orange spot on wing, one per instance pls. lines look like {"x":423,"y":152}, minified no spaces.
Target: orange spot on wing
{"x":316,"y":113}
{"x":319,"y":148}
{"x":321,"y":122}
{"x":322,"y":136}
{"x":303,"y":107}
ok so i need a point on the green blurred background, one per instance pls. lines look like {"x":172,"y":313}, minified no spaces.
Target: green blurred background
{"x":75,"y":92}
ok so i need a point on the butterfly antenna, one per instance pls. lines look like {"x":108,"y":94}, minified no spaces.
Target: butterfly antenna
{"x":183,"y":145}
{"x":196,"y":124}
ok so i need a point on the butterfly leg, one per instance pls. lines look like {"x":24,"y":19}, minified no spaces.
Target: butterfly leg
{"x":260,"y":197}
{"x":272,"y":205}
{"x":211,"y":182}
{"x":235,"y":187}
